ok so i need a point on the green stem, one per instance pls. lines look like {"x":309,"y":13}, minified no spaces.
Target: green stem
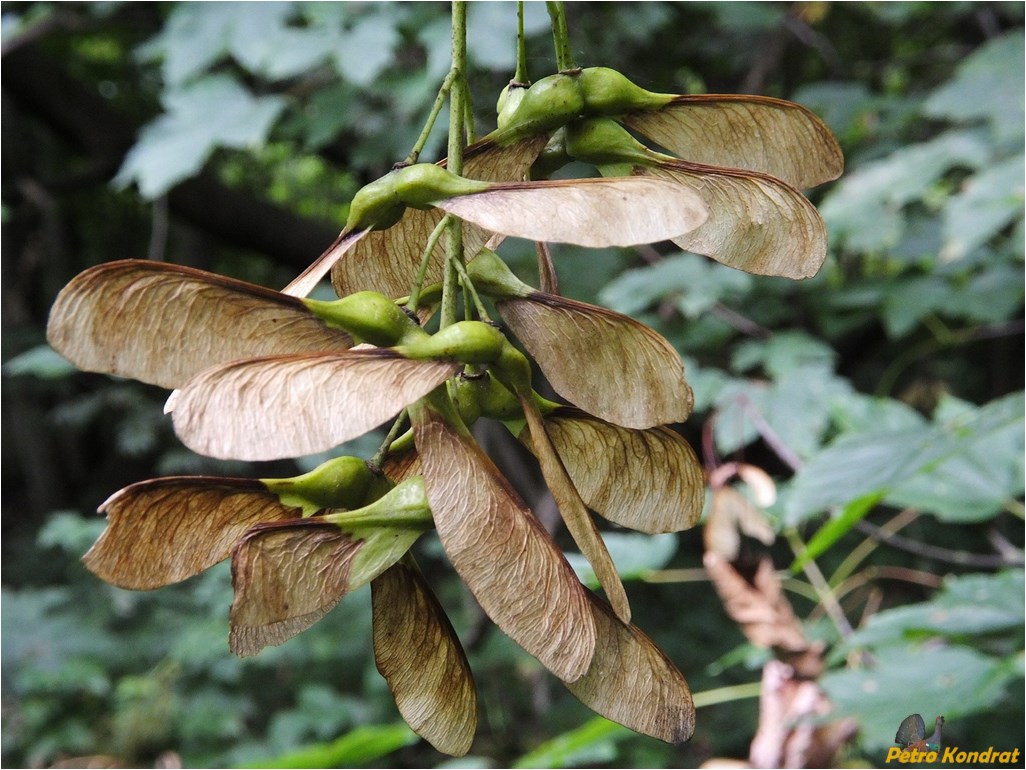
{"x":386,"y":445}
{"x":726,"y":694}
{"x":468,"y":287}
{"x":457,"y":111}
{"x":418,"y":283}
{"x":561,"y":36}
{"x":521,"y":72}
{"x":429,"y":124}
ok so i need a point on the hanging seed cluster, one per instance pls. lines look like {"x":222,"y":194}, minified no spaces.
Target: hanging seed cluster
{"x":259,"y":375}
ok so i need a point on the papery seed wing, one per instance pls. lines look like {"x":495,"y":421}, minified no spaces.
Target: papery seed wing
{"x":606,"y":363}
{"x":164,"y":530}
{"x":401,"y":465}
{"x":387,"y":260}
{"x":162,"y":323}
{"x":307,"y":281}
{"x":509,"y":562}
{"x":288,"y":406}
{"x":633,"y":683}
{"x":574,"y":512}
{"x":420,"y":656}
{"x":756,"y":133}
{"x":648,"y":480}
{"x":756,"y":223}
{"x":286,"y":577}
{"x":620,"y":211}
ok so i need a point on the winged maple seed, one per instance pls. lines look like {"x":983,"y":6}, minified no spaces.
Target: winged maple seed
{"x":260,"y":375}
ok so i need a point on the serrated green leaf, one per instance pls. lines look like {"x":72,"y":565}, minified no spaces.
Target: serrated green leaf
{"x":215,"y":111}
{"x":861,"y":463}
{"x":952,"y":681}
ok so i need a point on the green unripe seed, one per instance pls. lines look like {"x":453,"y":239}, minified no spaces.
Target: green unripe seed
{"x":424,"y":184}
{"x":548,"y":104}
{"x":342,"y":482}
{"x":381,"y":204}
{"x":368,"y":316}
{"x":405,"y":505}
{"x":607,"y":92}
{"x":463,"y":391}
{"x":602,"y":141}
{"x":513,"y":370}
{"x":510,"y":98}
{"x":376,"y":206}
{"x":469,"y":342}
{"x":492,"y":276}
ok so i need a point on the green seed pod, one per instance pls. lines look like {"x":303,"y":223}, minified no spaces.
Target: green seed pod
{"x":405,"y":505}
{"x":424,"y":184}
{"x":492,"y":276}
{"x":469,"y":342}
{"x":377,"y":205}
{"x":369,"y":317}
{"x":607,"y":92}
{"x":380,"y":204}
{"x":343,"y":482}
{"x":602,"y":141}
{"x":464,"y":392}
{"x":513,"y":369}
{"x":509,"y":99}
{"x":548,"y":104}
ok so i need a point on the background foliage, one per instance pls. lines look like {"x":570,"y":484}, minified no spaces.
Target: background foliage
{"x":885,"y":394}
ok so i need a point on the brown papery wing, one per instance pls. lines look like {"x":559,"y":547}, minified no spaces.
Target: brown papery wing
{"x":508,"y":561}
{"x":618,"y":211}
{"x":606,"y":363}
{"x":420,"y":656}
{"x":756,"y":133}
{"x":756,"y":222}
{"x":633,"y":683}
{"x":648,"y":480}
{"x":286,"y":577}
{"x":162,"y":323}
{"x":165,"y":530}
{"x":387,"y":260}
{"x":289,"y":406}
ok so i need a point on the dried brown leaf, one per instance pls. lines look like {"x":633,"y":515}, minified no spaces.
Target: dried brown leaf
{"x":756,"y":223}
{"x":514,"y":569}
{"x":288,"y":406}
{"x":162,"y":323}
{"x":606,"y":363}
{"x":164,"y":530}
{"x":574,"y":512}
{"x":633,"y":683}
{"x":756,"y":133}
{"x":648,"y":480}
{"x":420,"y":656}
{"x":286,"y":578}
{"x":619,"y":211}
{"x":387,"y":260}
{"x":757,"y":605}
{"x":730,"y":516}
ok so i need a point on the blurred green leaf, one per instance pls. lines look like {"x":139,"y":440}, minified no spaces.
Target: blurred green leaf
{"x":908,"y":679}
{"x":354,"y":749}
{"x":967,"y":606}
{"x":836,"y":528}
{"x":214,"y":111}
{"x":41,"y":361}
{"x":592,"y":743}
{"x":858,"y":464}
{"x":989,"y":86}
{"x":634,"y":554}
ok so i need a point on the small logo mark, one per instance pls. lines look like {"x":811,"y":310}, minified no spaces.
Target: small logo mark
{"x":911,"y":734}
